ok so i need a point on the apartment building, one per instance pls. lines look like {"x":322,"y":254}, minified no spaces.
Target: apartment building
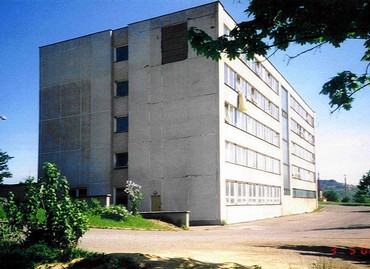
{"x":228,"y":141}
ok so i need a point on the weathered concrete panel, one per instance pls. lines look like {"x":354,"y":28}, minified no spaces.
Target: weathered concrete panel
{"x":70,"y":167}
{"x":120,"y":37}
{"x":204,"y":198}
{"x":100,"y":130}
{"x":121,"y":106}
{"x":50,"y":136}
{"x":70,"y":133}
{"x":70,"y":99}
{"x":175,"y":158}
{"x":120,"y":142}
{"x":175,"y":194}
{"x":120,"y":71}
{"x":50,"y":103}
{"x":202,"y":155}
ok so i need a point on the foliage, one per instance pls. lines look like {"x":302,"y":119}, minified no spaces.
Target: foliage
{"x":346,"y":199}
{"x":9,"y":233}
{"x":363,"y":190}
{"x":115,"y":212}
{"x":15,"y":255}
{"x":135,"y":196}
{"x":331,"y":196}
{"x":4,"y":169}
{"x":64,"y":221}
{"x":277,"y":24}
{"x":342,"y":190}
{"x":95,"y":206}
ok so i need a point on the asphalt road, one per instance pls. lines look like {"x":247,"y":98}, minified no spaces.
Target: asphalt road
{"x":286,"y":242}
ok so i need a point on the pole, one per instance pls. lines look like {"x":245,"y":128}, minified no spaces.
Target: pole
{"x":345,"y":186}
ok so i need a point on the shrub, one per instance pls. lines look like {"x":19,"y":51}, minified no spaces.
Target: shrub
{"x":115,"y":212}
{"x":95,"y":206}
{"x":64,"y":222}
{"x":331,"y":195}
{"x":134,"y":195}
{"x":346,"y":199}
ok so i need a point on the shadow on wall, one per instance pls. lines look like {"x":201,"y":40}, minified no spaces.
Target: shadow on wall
{"x":136,"y":261}
{"x":358,"y":255}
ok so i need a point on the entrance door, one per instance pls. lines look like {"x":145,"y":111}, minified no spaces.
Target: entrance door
{"x":156,"y":203}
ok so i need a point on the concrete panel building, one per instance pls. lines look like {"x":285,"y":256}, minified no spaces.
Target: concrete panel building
{"x":229,"y":141}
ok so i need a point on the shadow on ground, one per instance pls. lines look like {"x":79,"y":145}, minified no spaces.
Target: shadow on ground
{"x":352,"y":227}
{"x":144,"y":261}
{"x":357,"y":255}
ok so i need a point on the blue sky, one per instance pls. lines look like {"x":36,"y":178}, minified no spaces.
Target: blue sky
{"x":343,"y":139}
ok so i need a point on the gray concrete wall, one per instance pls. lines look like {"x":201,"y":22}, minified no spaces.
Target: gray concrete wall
{"x":173,"y":126}
{"x":75,"y":110}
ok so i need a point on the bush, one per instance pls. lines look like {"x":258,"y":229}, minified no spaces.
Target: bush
{"x":115,"y":212}
{"x":346,"y":199}
{"x":331,"y":195}
{"x":95,"y":206}
{"x":64,"y":221}
{"x":134,"y":195}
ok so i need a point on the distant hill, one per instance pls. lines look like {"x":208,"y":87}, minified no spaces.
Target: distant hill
{"x":331,"y":184}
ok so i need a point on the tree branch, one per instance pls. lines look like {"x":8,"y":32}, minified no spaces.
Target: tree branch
{"x":307,"y":50}
{"x":339,"y":106}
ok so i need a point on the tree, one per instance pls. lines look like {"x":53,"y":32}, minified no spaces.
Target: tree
{"x":276,"y":24}
{"x":65,"y":221}
{"x":331,"y":195}
{"x":4,"y":173}
{"x":363,"y":189}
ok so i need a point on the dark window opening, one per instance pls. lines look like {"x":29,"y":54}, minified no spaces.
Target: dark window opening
{"x":78,"y":193}
{"x":174,"y":43}
{"x":121,"y":197}
{"x":122,"y":125}
{"x":121,"y":160}
{"x":122,"y":88}
{"x":121,"y":54}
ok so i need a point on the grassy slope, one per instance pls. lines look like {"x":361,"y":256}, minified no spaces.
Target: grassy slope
{"x":136,"y":223}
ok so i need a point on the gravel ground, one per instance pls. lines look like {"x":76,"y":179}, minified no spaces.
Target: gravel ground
{"x":286,"y":242}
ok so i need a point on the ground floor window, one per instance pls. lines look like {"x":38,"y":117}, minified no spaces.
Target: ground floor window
{"x":298,"y":193}
{"x":120,"y":197}
{"x":243,"y":193}
{"x":78,"y":192}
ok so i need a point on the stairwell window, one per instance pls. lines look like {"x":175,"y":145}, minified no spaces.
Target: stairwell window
{"x":121,"y":160}
{"x":121,"y":54}
{"x":121,"y":125}
{"x":121,"y":88}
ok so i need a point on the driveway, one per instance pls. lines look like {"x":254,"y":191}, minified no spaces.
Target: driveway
{"x":286,"y":242}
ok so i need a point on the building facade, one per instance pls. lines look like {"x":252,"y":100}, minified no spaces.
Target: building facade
{"x":229,"y":140}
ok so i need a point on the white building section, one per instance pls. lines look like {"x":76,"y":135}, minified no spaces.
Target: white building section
{"x":228,"y":141}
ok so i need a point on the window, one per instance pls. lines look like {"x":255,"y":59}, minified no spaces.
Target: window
{"x":242,"y":156}
{"x":298,"y":193}
{"x":243,"y":193}
{"x":248,"y":124}
{"x":121,"y":160}
{"x":121,"y":54}
{"x":121,"y":88}
{"x":174,"y":43}
{"x":301,"y":111}
{"x":122,"y":125}
{"x":303,"y":174}
{"x":78,"y":193}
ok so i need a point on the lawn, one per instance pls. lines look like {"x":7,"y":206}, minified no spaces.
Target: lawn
{"x":344,"y":204}
{"x":132,"y":222}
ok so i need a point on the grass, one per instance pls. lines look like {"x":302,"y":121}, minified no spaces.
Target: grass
{"x":132,"y":222}
{"x":344,"y":204}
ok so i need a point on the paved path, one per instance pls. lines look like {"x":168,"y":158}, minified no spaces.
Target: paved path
{"x":294,"y":241}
